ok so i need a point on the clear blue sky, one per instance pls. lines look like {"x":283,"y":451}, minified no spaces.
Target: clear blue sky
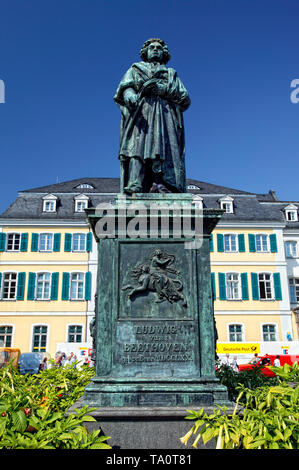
{"x":61,"y":62}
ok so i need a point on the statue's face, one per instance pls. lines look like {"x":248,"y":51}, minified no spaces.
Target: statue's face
{"x":155,"y":52}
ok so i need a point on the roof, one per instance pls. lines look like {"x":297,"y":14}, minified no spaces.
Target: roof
{"x":29,"y":203}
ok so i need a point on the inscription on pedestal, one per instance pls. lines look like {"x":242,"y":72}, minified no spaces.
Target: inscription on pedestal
{"x":169,"y":345}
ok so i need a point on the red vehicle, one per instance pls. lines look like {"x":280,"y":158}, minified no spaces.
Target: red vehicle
{"x":268,"y":360}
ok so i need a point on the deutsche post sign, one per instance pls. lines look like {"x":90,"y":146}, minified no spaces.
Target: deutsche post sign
{"x":238,"y":348}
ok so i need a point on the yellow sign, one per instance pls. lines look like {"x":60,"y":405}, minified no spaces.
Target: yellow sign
{"x":238,"y":348}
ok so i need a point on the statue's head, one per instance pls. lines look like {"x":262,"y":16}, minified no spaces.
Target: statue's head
{"x":155,"y":49}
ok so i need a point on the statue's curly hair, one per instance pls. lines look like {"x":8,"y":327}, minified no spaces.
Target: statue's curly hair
{"x":166,"y":53}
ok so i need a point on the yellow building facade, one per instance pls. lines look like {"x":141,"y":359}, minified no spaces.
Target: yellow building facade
{"x":48,"y":267}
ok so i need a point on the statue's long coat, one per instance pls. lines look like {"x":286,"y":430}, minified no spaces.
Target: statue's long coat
{"x":155,"y":129}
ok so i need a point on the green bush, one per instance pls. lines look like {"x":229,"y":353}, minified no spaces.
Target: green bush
{"x":268,"y":420}
{"x":33,"y":410}
{"x":250,"y":378}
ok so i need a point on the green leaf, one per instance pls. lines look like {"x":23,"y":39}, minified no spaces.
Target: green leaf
{"x":19,"y":420}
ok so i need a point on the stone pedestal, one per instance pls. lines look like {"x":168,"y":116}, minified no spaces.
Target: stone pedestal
{"x":155,"y":329}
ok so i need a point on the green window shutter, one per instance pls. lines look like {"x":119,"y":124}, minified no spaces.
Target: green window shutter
{"x":31,"y":286}
{"x":277,"y":286}
{"x":220,"y":244}
{"x":211,"y":242}
{"x":244,"y":286}
{"x":65,"y":286}
{"x":255,"y":287}
{"x":251,"y":240}
{"x":34,"y":242}
{"x":2,"y":241}
{"x":273,"y":243}
{"x":56,"y":244}
{"x":222,"y":286}
{"x":213,"y":286}
{"x":68,"y":242}
{"x":241,"y":240}
{"x":21,"y":286}
{"x":54,"y":286}
{"x":24,"y":242}
{"x":88,"y":242}
{"x":87,"y":285}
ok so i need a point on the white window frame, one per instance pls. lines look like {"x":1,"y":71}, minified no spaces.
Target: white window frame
{"x":34,"y":325}
{"x":291,"y":213}
{"x":236,"y":242}
{"x":3,"y":282}
{"x":264,"y":273}
{"x":44,"y":281}
{"x":84,"y":186}
{"x":262,"y":250}
{"x":237,"y":282}
{"x":76,"y":298}
{"x":227,"y":204}
{"x":67,"y":332}
{"x":290,"y":253}
{"x":39,"y":242}
{"x":9,"y":325}
{"x":193,"y":186}
{"x":275,"y":332}
{"x":52,"y":200}
{"x":197,"y":201}
{"x":292,"y":283}
{"x":9,"y":234}
{"x":242,"y":332}
{"x":85,"y":241}
{"x":81,"y":199}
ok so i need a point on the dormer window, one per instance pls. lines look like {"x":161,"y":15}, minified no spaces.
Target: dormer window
{"x":81,"y":203}
{"x":193,"y":186}
{"x":226,"y":203}
{"x":84,"y":186}
{"x":49,"y":203}
{"x":197,"y":201}
{"x":291,"y":213}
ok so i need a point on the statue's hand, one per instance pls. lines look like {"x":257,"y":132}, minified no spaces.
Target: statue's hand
{"x":161,"y":89}
{"x":130,"y":99}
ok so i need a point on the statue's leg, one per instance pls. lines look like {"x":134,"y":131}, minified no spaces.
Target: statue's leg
{"x":135,"y":176}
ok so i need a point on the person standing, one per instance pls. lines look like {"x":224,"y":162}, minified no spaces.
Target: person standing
{"x":276,"y":362}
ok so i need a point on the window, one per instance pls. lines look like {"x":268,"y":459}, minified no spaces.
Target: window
{"x":193,"y":186}
{"x":13,"y":242}
{"x":5,"y":336}
{"x":291,"y":249}
{"x":226,"y":203}
{"x":291,"y":213}
{"x":198,"y":202}
{"x":232,"y":286}
{"x":77,"y":286}
{"x":294,"y":289}
{"x":79,"y":242}
{"x":85,"y":185}
{"x":81,"y":203}
{"x":230,"y":242}
{"x":261,"y":243}
{"x":75,"y":334}
{"x":81,"y":206}
{"x":46,"y":242}
{"x":39,"y":338}
{"x":269,"y":333}
{"x":235,"y":333}
{"x":265,"y":286}
{"x":9,"y":288}
{"x":49,"y":203}
{"x":43,"y":281}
